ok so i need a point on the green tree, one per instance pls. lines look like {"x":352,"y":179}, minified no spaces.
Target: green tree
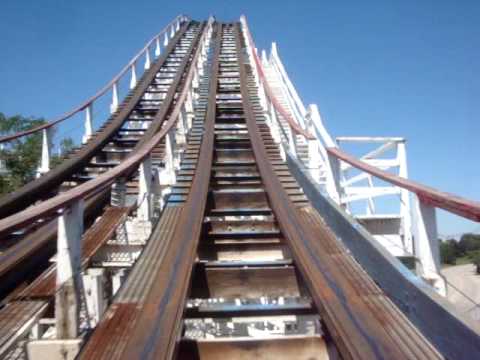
{"x":449,"y":251}
{"x":468,"y":243}
{"x":20,"y":157}
{"x":66,"y":145}
{"x":475,"y":257}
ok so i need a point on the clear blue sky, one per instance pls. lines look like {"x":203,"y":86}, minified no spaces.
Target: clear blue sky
{"x":402,"y":68}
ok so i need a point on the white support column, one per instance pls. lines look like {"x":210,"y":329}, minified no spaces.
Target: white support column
{"x":181,"y":130}
{"x":274,"y":123}
{"x":370,"y":209}
{"x":262,"y":95}
{"x":172,"y":31}
{"x":333,"y":180}
{"x":314,"y":155}
{"x":264,"y":58}
{"x":405,"y":210}
{"x":177,"y":26}
{"x":118,"y":192}
{"x":320,"y":128}
{"x":331,"y":164}
{"x":158,"y":189}
{"x":275,"y":130}
{"x":158,"y":50}
{"x":195,"y":79}
{"x":88,"y":123}
{"x":292,"y":143}
{"x":427,"y":245}
{"x":189,"y":108}
{"x":175,"y":151}
{"x":314,"y":160}
{"x":167,"y":176}
{"x":68,"y":281}
{"x":93,"y":282}
{"x":114,"y":105}
{"x":165,"y":41}
{"x":186,"y":123}
{"x":45,"y":156}
{"x":147,"y":59}
{"x":199,"y":65}
{"x":118,"y":279}
{"x":205,"y":45}
{"x":133,"y":79}
{"x":144,"y":211}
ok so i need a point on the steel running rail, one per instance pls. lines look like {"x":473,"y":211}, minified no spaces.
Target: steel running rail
{"x":160,"y":320}
{"x":366,"y":327}
{"x":94,"y":186}
{"x":112,"y":84}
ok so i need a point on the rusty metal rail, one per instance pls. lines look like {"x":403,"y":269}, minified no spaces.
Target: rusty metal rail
{"x":160,"y":321}
{"x":360,"y":319}
{"x":155,"y":326}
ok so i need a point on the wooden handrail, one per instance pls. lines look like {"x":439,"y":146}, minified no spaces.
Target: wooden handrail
{"x":449,"y":202}
{"x":48,"y":207}
{"x":101,"y":92}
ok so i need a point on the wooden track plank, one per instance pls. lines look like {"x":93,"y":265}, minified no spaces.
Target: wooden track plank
{"x":158,"y":328}
{"x":16,"y":319}
{"x":154,"y":330}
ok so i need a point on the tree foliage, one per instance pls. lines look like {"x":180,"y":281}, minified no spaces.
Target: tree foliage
{"x":66,"y":145}
{"x":449,"y":251}
{"x":468,"y":243}
{"x":475,"y":257}
{"x":20,"y":157}
{"x":468,"y":246}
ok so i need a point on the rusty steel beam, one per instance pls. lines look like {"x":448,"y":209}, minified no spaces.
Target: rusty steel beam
{"x":154,"y":325}
{"x":158,"y":329}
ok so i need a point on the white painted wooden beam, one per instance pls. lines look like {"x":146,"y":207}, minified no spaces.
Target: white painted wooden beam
{"x":88,"y":123}
{"x":46,"y":152}
{"x":68,"y":279}
{"x":114,"y":104}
